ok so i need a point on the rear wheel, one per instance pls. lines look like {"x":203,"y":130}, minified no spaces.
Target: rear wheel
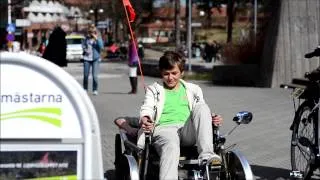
{"x":119,"y":166}
{"x":303,"y":137}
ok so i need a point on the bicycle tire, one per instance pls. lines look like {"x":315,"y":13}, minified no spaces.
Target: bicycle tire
{"x":301,"y":139}
{"x":238,"y":168}
{"x":118,"y":157}
{"x":129,"y":168}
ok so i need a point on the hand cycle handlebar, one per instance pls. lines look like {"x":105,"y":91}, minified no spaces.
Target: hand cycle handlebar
{"x":315,"y":74}
{"x":315,"y":53}
{"x":148,"y":135}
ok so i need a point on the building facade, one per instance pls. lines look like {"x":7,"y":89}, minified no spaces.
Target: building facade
{"x":34,"y":20}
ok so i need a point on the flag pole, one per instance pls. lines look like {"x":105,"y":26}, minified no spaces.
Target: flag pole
{"x":134,"y":44}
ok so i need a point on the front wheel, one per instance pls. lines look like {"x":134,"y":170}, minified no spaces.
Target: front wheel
{"x":237,"y":166}
{"x":303,"y":137}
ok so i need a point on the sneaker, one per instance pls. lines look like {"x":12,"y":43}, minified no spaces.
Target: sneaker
{"x":95,"y":93}
{"x":211,"y":161}
{"x":214,"y":160}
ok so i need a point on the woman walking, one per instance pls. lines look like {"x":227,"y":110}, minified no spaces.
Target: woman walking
{"x":92,"y":47}
{"x":133,"y":59}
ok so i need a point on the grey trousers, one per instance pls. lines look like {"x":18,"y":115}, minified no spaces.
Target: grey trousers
{"x":167,"y":140}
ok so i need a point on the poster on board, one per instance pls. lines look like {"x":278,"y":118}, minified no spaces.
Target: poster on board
{"x":47,"y":165}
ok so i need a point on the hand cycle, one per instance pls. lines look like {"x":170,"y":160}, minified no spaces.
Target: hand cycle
{"x":133,"y":163}
{"x":234,"y":165}
{"x":305,"y":157}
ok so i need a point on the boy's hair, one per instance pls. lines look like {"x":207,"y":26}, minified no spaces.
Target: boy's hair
{"x":169,"y":59}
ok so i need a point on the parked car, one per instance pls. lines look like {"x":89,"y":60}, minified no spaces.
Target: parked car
{"x":113,"y":50}
{"x":147,"y":40}
{"x":74,"y":47}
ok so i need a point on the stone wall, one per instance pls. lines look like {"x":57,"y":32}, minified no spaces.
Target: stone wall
{"x":293,"y":31}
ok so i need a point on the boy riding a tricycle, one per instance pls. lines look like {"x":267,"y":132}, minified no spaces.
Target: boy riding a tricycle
{"x":174,"y":115}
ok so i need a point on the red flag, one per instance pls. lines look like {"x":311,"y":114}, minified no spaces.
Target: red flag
{"x":130,"y":10}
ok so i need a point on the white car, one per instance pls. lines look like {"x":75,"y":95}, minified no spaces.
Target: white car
{"x":147,"y":40}
{"x":74,"y":47}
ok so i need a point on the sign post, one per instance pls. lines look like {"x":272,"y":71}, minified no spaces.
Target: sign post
{"x":49,"y":127}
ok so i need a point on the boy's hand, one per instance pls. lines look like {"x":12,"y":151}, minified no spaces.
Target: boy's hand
{"x":146,"y":123}
{"x":217,"y":120}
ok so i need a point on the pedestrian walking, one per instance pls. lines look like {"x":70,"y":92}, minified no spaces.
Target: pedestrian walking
{"x":56,"y":51}
{"x":208,"y":52}
{"x":92,"y":47}
{"x":216,"y":48}
{"x":133,"y":59}
{"x":140,"y":50}
{"x":41,"y":48}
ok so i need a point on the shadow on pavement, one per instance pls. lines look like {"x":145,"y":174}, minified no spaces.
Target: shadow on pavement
{"x":266,"y":173}
{"x":114,"y":93}
{"x":260,"y":172}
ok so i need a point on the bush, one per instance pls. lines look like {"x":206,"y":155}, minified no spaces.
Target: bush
{"x":245,"y":52}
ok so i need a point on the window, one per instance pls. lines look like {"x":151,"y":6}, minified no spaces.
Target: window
{"x":74,"y":41}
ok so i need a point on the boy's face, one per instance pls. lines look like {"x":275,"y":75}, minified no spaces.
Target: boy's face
{"x":171,"y":77}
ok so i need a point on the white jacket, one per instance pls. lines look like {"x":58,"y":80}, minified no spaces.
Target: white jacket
{"x":154,"y":102}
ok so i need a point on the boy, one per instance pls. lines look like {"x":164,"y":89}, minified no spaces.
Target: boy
{"x":176,"y":112}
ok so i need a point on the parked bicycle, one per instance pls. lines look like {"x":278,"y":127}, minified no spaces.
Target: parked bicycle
{"x":305,"y":157}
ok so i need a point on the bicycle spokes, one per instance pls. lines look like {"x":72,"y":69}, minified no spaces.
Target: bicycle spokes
{"x":303,"y":140}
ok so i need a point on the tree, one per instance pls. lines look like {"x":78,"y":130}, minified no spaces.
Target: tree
{"x":207,"y":5}
{"x":230,"y":13}
{"x":142,"y":8}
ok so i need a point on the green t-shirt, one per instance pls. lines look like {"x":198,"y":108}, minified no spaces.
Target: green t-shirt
{"x":176,"y":107}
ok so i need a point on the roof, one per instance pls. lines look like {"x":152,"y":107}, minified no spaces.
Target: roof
{"x":168,"y":12}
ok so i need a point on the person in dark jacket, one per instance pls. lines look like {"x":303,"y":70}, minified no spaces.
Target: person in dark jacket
{"x":56,"y":51}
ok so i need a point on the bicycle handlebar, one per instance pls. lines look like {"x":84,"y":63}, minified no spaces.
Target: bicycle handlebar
{"x":315,"y":53}
{"x":315,"y":74}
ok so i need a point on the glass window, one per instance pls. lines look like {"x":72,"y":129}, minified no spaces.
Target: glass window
{"x":74,"y":41}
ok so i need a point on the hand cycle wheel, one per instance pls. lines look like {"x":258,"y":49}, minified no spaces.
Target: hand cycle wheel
{"x":303,"y":137}
{"x":118,"y":158}
{"x":126,"y":167}
{"x":237,"y":167}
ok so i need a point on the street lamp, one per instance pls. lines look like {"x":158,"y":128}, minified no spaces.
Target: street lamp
{"x":202,"y":13}
{"x":95,"y":11}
